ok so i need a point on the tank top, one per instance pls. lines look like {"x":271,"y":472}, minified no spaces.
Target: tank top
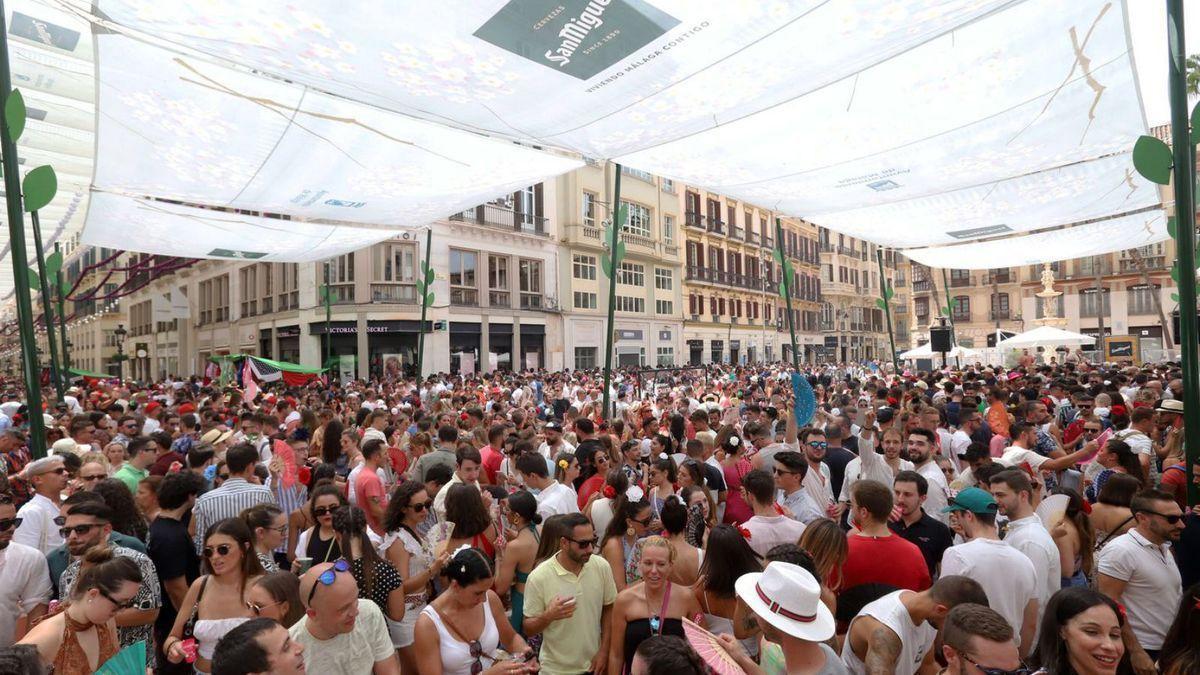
{"x":915,"y":640}
{"x":456,"y":654}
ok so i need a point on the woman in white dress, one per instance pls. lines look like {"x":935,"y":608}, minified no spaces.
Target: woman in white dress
{"x":413,"y":556}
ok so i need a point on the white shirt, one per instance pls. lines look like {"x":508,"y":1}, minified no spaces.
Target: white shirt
{"x":766,"y":532}
{"x":150,"y":426}
{"x":439,"y":501}
{"x":1007,"y":576}
{"x":1015,"y":456}
{"x":937,"y":497}
{"x":24,"y":584}
{"x":38,"y":530}
{"x":1152,"y":584}
{"x":1029,"y":536}
{"x":915,"y":640}
{"x":958,"y":445}
{"x":558,"y":499}
{"x":803,"y":508}
{"x":563,"y":446}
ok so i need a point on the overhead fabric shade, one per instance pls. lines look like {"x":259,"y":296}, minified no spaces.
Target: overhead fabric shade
{"x":189,"y":232}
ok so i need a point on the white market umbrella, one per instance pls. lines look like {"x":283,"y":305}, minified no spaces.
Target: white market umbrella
{"x":924,"y":352}
{"x":1046,"y":336}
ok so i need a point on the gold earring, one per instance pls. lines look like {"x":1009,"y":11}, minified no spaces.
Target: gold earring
{"x":629,"y":532}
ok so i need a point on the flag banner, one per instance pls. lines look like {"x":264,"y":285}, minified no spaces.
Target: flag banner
{"x":248,"y":384}
{"x":263,"y":370}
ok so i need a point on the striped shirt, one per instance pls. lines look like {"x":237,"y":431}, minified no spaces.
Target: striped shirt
{"x":289,"y":499}
{"x":234,"y":496}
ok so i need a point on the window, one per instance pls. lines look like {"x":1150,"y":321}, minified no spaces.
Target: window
{"x":498,"y":293}
{"x":214,"y":300}
{"x":289,"y":290}
{"x":717,"y":349}
{"x":665,"y":307}
{"x":585,"y":357}
{"x":464,"y":285}
{"x":1088,"y":303}
{"x":638,"y":173}
{"x":1141,"y":299}
{"x":668,"y":233}
{"x":999,"y":305}
{"x":921,"y":308}
{"x":664,"y":279}
{"x":631,"y":274}
{"x":665,"y":356}
{"x":248,"y":289}
{"x":668,"y":185}
{"x":341,"y":278}
{"x":960,"y":308}
{"x":627,"y":303}
{"x":589,"y":208}
{"x":584,"y":266}
{"x":638,"y":219}
{"x":530,"y":279}
{"x":585,"y":300}
{"x":394,"y":273}
{"x":959,"y":278}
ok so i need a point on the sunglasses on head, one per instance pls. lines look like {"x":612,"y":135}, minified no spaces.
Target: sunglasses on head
{"x":1022,"y":670}
{"x":80,"y":530}
{"x":220,"y":549}
{"x":327,"y":578}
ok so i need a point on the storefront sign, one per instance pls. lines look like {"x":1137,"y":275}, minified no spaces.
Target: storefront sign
{"x":664,"y":335}
{"x":287,"y":332}
{"x":629,"y":334}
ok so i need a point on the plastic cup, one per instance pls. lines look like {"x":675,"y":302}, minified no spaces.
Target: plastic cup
{"x":305,"y":564}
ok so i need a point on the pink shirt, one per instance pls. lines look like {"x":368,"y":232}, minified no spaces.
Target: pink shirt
{"x":366,"y":486}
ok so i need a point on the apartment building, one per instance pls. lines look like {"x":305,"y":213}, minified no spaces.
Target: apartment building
{"x":647,"y":325}
{"x":1122,"y":292}
{"x":735,"y":312}
{"x":853,"y":327}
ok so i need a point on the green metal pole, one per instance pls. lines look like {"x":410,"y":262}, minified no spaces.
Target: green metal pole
{"x":62,"y":318}
{"x":887,"y":308}
{"x":612,"y":287}
{"x":47,"y":310}
{"x":787,"y":294}
{"x":1185,"y":239}
{"x":328,"y":316}
{"x":424,"y":308}
{"x":16,"y":233}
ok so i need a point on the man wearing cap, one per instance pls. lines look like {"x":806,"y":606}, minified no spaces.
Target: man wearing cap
{"x":1006,"y":575}
{"x":340,"y":633}
{"x":895,"y":634}
{"x":786,"y":599}
{"x":152,"y":423}
{"x":38,"y":528}
{"x":554,"y":442}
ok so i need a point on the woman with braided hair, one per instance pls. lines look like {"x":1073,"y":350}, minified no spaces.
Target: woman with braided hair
{"x":377,"y":578}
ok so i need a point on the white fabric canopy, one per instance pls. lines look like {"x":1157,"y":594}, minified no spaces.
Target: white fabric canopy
{"x":924,"y":352}
{"x":1046,"y":336}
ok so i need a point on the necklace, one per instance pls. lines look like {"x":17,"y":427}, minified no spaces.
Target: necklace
{"x":655,"y":622}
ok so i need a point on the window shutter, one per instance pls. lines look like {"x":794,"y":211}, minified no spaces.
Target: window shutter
{"x":537,"y":200}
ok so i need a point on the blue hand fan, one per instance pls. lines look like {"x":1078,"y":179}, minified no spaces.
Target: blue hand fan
{"x":129,"y":661}
{"x":805,"y":403}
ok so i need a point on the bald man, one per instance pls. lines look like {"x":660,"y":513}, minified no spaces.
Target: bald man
{"x":341,"y":634}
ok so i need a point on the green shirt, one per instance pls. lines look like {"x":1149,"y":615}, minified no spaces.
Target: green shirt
{"x":131,"y":476}
{"x":569,"y":645}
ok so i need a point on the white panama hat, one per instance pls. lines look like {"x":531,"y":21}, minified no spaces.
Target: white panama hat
{"x":789,"y":598}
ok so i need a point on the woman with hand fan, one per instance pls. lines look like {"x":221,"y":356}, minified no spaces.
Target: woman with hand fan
{"x":648,"y":608}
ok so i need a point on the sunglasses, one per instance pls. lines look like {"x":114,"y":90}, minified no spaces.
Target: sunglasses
{"x":418,"y":508}
{"x":476,"y":651}
{"x":584,"y":543}
{"x":1171,"y":519}
{"x":821,"y":445}
{"x":257,"y":608}
{"x":80,"y":530}
{"x":324,"y":511}
{"x":126,"y":604}
{"x":6,"y":525}
{"x":89,"y":479}
{"x":223,"y":476}
{"x":1023,"y":670}
{"x":327,"y":578}
{"x":780,"y":472}
{"x":643,"y":523}
{"x":221,"y":550}
{"x":60,"y":471}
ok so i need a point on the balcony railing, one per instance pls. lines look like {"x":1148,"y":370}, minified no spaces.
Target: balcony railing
{"x":693,"y":219}
{"x":400,"y":294}
{"x":1151,"y":262}
{"x":490,"y":215}
{"x":499,"y":299}
{"x":960,"y":282}
{"x":999,"y":315}
{"x":922,"y":286}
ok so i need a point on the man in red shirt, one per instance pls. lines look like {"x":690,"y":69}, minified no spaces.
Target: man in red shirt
{"x":876,"y":554}
{"x":493,"y":452}
{"x":368,"y":489}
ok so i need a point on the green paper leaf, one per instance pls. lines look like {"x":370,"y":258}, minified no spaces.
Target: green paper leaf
{"x":620,"y":252}
{"x":1175,"y":297}
{"x":430,"y":275}
{"x":39,"y":188}
{"x":420,"y":286}
{"x":778,"y":255}
{"x":622,"y":215}
{"x":35,"y":283}
{"x":1152,"y":159}
{"x":429,"y":299}
{"x":881,"y":304}
{"x":14,"y":114}
{"x":1172,"y":227}
{"x":888,"y":292}
{"x":1195,"y":119}
{"x":1175,"y":274}
{"x":606,"y":266}
{"x":53,"y":263}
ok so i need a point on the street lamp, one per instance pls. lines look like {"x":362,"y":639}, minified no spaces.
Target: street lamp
{"x":120,"y":333}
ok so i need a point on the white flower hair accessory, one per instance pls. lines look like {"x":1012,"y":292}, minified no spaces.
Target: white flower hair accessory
{"x":735,"y":441}
{"x":662,"y":455}
{"x":462,"y":569}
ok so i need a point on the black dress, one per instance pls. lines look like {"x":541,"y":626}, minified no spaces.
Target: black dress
{"x":385,"y":579}
{"x":639,"y":629}
{"x":322,"y":550}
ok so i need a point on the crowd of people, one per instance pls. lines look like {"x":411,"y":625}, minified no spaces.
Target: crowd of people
{"x":963,"y":520}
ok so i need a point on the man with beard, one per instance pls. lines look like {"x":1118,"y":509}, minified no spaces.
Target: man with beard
{"x":90,"y":524}
{"x":930,"y":535}
{"x":48,"y":476}
{"x":24,"y":580}
{"x":920,"y":451}
{"x":569,"y":599}
{"x":1138,"y":570}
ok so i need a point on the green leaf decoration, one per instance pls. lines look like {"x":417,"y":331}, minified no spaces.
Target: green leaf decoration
{"x":35,"y":282}
{"x":888,"y":291}
{"x":622,"y":215}
{"x":881,"y":304}
{"x":606,"y":265}
{"x":1195,"y":135}
{"x":14,"y":114}
{"x":788,"y":274}
{"x":1172,"y":227}
{"x":53,"y":263}
{"x":39,"y":188}
{"x":1152,"y":159}
{"x":1175,"y":297}
{"x":429,"y":299}
{"x":429,"y":275}
{"x":620,"y":252}
{"x":778,"y":255}
{"x":420,"y":286}
{"x":1175,"y":274}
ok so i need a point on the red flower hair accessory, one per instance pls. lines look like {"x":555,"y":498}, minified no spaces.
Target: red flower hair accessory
{"x":744,"y":532}
{"x":779,"y":509}
{"x":1121,"y":612}
{"x":610,"y":491}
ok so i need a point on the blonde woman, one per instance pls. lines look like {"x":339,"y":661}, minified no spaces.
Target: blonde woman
{"x":654,"y":606}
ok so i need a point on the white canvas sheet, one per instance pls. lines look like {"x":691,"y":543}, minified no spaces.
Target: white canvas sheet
{"x":189,"y":232}
{"x":1116,"y":234}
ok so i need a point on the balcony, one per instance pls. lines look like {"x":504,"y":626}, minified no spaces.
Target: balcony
{"x":751,"y":237}
{"x":1153,"y":263}
{"x":999,"y":315}
{"x":399,"y":294}
{"x":499,"y":299}
{"x":960,"y":282}
{"x":923,"y":286}
{"x":490,"y":215}
{"x":629,"y":238}
{"x":464,"y":297}
{"x":960,"y":317}
{"x":715,"y":225}
{"x":693,"y":219}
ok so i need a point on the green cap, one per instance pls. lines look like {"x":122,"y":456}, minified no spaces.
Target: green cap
{"x":972,"y":499}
